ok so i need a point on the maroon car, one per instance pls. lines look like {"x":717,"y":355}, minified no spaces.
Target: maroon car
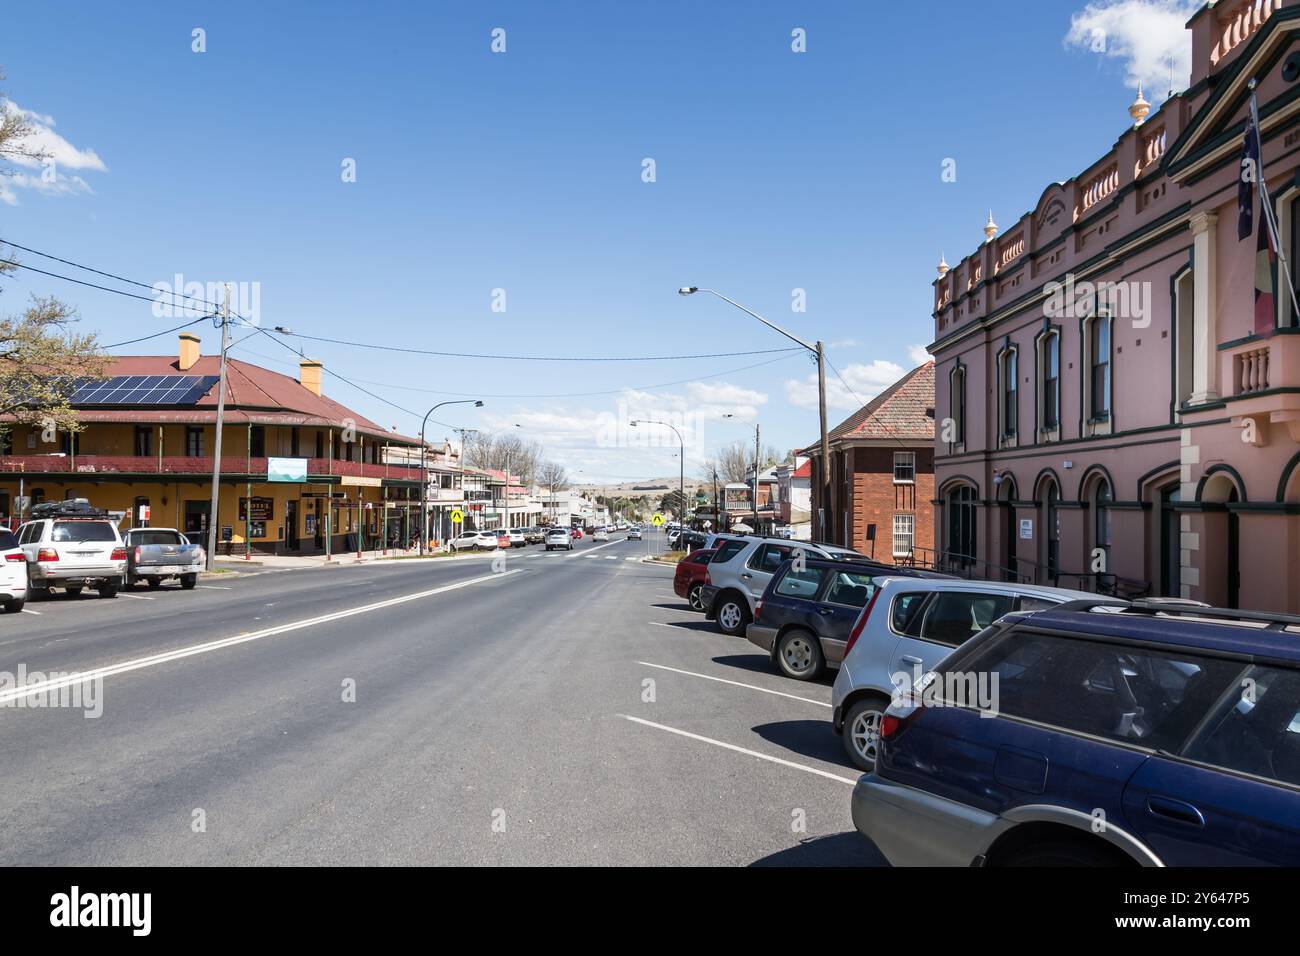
{"x":692,"y":574}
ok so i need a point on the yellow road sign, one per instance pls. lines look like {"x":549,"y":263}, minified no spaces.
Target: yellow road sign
{"x":657,"y":520}
{"x":457,"y":516}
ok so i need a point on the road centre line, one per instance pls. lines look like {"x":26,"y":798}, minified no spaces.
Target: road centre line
{"x":741,"y":750}
{"x":142,"y":662}
{"x":734,"y":683}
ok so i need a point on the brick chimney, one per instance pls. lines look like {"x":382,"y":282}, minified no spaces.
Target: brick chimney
{"x":189,"y":354}
{"x":309,"y":375}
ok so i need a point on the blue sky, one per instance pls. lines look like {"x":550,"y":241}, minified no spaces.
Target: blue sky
{"x":522,"y":171}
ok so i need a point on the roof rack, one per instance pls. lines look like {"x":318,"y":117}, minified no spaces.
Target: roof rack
{"x":70,"y":508}
{"x":1180,"y":608}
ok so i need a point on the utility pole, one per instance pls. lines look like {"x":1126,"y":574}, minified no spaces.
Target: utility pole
{"x":756,"y":465}
{"x":221,"y":418}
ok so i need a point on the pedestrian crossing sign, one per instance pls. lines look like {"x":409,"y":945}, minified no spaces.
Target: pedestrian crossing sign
{"x":657,"y":520}
{"x":457,"y":516}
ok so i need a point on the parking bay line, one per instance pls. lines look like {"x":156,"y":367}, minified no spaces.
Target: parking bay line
{"x":734,"y":683}
{"x":741,"y":750}
{"x":136,"y":597}
{"x":80,"y":677}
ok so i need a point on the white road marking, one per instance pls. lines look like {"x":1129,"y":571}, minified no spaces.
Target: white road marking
{"x":26,"y":611}
{"x":741,"y":750}
{"x":734,"y":683}
{"x":136,"y":597}
{"x":139,"y":663}
{"x":214,"y":587}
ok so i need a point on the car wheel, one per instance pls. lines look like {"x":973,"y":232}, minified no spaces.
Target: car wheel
{"x":693,"y":597}
{"x":38,"y":592}
{"x":154,"y":583}
{"x":799,"y":655}
{"x":861,"y":733}
{"x":15,"y":606}
{"x":74,"y":592}
{"x":1063,"y":853}
{"x":733,"y":615}
{"x":107,"y":591}
{"x":188,"y":581}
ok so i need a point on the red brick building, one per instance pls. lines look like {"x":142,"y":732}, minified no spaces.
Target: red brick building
{"x":882,"y":472}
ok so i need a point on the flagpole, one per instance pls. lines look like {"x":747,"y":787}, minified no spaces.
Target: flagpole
{"x":1266,"y":205}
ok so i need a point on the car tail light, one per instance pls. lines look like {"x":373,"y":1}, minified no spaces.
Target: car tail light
{"x":891,"y":725}
{"x":758,"y":609}
{"x":119,"y":554}
{"x":15,"y":556}
{"x":137,"y":554}
{"x":47,"y":554}
{"x":862,"y":622}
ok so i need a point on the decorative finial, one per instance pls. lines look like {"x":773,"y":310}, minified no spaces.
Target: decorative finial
{"x":1140,"y":108}
{"x":943,"y":266}
{"x":990,"y":228}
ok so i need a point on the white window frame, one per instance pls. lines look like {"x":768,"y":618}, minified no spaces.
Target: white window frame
{"x":909,"y":458}
{"x":907,"y":532}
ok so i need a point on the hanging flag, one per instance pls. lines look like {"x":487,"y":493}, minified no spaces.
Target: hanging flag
{"x":1247,"y":176}
{"x":1265,"y":296}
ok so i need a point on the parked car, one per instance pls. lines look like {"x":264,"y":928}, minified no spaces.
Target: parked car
{"x":473,"y":541}
{"x":13,"y":572}
{"x":634,"y":534}
{"x":1154,"y":735}
{"x":691,"y":575}
{"x":155,"y":555}
{"x":739,"y":572}
{"x":534,"y":535}
{"x":559,"y":538}
{"x":514,"y":538}
{"x":70,"y":545}
{"x":805,"y":615}
{"x":908,"y":627}
{"x":601,"y":534}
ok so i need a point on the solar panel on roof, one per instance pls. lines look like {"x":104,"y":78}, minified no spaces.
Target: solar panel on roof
{"x":144,"y":390}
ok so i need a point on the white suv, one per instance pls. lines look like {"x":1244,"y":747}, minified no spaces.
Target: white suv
{"x":740,"y":569}
{"x":72,"y":546}
{"x":906,"y":629}
{"x":13,"y":572}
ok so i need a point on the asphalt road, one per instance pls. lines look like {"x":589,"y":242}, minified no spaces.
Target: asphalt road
{"x":565,"y":709}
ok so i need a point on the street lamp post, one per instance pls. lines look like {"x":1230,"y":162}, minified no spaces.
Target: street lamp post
{"x":757,"y":454}
{"x":681,"y":478}
{"x":819,"y":350}
{"x":424,"y":471}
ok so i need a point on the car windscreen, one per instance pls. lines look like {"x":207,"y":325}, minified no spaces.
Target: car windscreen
{"x":83,"y":531}
{"x":155,"y":537}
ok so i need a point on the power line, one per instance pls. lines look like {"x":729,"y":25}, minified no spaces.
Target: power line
{"x":539,"y":358}
{"x":146,"y":338}
{"x":612,"y":391}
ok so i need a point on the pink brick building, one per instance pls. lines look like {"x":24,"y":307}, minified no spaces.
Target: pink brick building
{"x":1156,"y":435}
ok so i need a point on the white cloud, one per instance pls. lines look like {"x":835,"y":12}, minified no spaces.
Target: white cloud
{"x":60,"y":155}
{"x":861,"y":384}
{"x":1149,"y":36}
{"x":918,"y":355}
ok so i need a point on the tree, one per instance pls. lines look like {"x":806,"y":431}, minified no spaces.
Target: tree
{"x":42,"y":360}
{"x":15,"y":135}
{"x":496,"y":451}
{"x":552,"y":475}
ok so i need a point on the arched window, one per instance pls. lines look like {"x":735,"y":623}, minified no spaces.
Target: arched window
{"x":960,"y":507}
{"x":1051,"y":522}
{"x":1101,"y":515}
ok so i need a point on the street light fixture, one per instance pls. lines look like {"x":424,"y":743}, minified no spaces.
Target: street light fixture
{"x":820,"y":352}
{"x":424,"y":471}
{"x":757,"y":458}
{"x":681,"y":479}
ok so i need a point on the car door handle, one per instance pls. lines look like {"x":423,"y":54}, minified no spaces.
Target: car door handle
{"x":909,"y":659}
{"x":746,"y":575}
{"x":825,"y":611}
{"x":1175,"y":810}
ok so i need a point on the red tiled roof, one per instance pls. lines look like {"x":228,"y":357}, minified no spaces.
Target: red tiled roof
{"x":904,"y":411}
{"x":804,"y":470}
{"x":250,"y":389}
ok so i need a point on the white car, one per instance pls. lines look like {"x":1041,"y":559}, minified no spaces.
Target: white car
{"x":601,"y":534}
{"x":906,"y":629}
{"x":473,"y":541}
{"x":559,"y":538}
{"x":13,"y":573}
{"x":634,"y":534}
{"x":71,"y":545}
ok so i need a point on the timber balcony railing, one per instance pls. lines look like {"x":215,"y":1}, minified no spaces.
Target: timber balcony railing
{"x":240,"y":465}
